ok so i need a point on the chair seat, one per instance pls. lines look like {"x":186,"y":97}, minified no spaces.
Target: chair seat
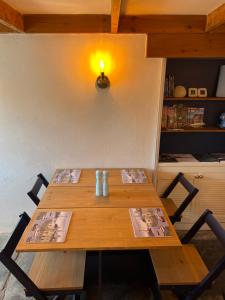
{"x":178,"y":266}
{"x":58,"y":270}
{"x":169,"y":205}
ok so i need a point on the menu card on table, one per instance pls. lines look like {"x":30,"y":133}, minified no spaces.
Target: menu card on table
{"x":133,"y":176}
{"x":149,"y":222}
{"x":67,"y":176}
{"x":50,"y":227}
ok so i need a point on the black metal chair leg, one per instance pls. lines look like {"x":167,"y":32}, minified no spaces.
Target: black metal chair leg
{"x":77,"y":297}
{"x":100,"y":275}
{"x":83,"y":295}
{"x":154,"y":282}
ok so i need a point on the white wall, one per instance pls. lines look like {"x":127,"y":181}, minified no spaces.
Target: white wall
{"x":51,"y":114}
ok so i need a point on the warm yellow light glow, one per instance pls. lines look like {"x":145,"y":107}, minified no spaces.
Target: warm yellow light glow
{"x":102,"y":65}
{"x":101,"y":62}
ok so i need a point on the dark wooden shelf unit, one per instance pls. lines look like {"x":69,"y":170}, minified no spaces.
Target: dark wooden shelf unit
{"x":196,"y":73}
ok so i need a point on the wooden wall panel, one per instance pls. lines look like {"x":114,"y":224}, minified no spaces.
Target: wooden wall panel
{"x":186,"y":45}
{"x":66,"y":23}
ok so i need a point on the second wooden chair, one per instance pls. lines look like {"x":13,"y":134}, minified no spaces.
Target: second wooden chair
{"x":182,"y":269}
{"x":173,"y":211}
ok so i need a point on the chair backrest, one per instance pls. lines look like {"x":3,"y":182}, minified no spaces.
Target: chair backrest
{"x":12,"y":266}
{"x":206,"y":218}
{"x":192,"y":191}
{"x":33,"y":194}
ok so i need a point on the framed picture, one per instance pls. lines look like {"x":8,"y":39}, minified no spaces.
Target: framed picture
{"x":192,"y":92}
{"x":202,"y":92}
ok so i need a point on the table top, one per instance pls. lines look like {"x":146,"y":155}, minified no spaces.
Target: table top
{"x":100,"y":229}
{"x":88,"y":178}
{"x":119,"y":196}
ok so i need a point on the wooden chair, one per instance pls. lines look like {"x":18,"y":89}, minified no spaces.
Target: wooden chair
{"x":33,"y":194}
{"x":173,"y":211}
{"x":52,"y":273}
{"x":182,"y":269}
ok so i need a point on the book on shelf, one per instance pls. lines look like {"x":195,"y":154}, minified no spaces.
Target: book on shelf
{"x":67,"y":176}
{"x":178,"y":117}
{"x":164,"y":117}
{"x":149,"y":222}
{"x":195,"y":115}
{"x":133,"y":176}
{"x":181,"y":113}
{"x":50,"y":227}
{"x":171,"y":117}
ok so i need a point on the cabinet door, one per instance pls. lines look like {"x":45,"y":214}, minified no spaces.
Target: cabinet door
{"x":211,"y":194}
{"x":178,"y":195}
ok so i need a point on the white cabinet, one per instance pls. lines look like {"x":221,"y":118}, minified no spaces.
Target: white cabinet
{"x":209,"y":179}
{"x":211,"y":194}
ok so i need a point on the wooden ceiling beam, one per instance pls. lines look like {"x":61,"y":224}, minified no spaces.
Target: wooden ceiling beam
{"x":66,"y":23}
{"x":11,"y":19}
{"x":115,"y":15}
{"x":216,"y":18}
{"x":102,"y":23}
{"x":186,"y":45}
{"x":162,"y":24}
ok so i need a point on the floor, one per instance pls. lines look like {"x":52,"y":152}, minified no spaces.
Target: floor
{"x":125,"y":274}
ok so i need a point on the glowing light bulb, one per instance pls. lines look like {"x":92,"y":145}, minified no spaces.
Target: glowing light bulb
{"x":102,"y":65}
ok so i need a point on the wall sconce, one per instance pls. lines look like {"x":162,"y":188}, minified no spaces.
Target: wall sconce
{"x":102,"y":81}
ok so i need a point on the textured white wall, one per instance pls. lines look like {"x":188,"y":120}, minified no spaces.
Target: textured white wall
{"x":51,"y":114}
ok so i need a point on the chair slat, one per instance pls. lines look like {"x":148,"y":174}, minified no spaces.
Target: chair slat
{"x":33,"y":193}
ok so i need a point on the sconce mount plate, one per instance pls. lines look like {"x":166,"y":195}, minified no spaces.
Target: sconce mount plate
{"x":102,"y":81}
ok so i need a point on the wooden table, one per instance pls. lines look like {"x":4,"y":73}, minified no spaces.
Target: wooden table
{"x":119,"y":196}
{"x":100,"y":223}
{"x":99,"y":229}
{"x":88,"y":178}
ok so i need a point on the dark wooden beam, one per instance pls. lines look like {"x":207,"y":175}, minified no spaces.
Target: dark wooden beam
{"x":10,"y":19}
{"x":216,"y":18}
{"x":186,"y":45}
{"x":66,"y":23}
{"x":162,"y":24}
{"x":115,"y":15}
{"x":101,"y":23}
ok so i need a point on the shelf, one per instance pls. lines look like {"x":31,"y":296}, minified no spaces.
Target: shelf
{"x":204,"y":129}
{"x":195,"y":99}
